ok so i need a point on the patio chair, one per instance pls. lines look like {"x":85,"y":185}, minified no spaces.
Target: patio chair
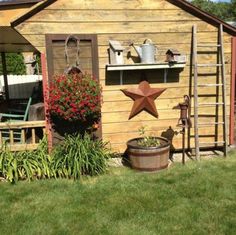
{"x":13,"y":117}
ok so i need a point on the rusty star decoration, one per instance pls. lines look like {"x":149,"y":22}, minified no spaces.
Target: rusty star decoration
{"x":144,"y":97}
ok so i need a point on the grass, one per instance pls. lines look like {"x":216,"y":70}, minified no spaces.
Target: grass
{"x":199,"y":198}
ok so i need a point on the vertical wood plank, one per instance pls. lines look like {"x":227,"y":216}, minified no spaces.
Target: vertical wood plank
{"x":45,"y":94}
{"x":23,"y":136}
{"x":195,"y":92}
{"x":225,"y":120}
{"x":232,"y":95}
{"x":11,"y":137}
{"x":1,"y":140}
{"x":33,"y":136}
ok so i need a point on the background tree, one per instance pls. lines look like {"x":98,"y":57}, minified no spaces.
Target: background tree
{"x":233,"y":10}
{"x":15,"y":64}
{"x":223,"y":10}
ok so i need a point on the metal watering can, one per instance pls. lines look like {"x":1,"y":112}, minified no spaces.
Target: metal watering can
{"x":146,"y":51}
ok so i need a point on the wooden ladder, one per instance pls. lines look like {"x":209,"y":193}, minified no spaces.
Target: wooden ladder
{"x":221,"y":83}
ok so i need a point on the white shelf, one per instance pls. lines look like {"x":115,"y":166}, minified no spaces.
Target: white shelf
{"x":140,"y":66}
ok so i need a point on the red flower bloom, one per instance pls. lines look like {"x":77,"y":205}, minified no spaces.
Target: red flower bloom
{"x":75,"y":97}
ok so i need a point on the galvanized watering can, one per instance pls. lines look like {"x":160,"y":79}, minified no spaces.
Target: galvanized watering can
{"x":146,"y":51}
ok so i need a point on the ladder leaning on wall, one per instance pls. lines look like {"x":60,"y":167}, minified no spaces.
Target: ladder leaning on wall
{"x":221,"y":83}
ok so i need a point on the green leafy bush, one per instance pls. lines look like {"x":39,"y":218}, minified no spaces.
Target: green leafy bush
{"x":80,"y":156}
{"x":26,"y":164}
{"x":75,"y":157}
{"x":15,"y":64}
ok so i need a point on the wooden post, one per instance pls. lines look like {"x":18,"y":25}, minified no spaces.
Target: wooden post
{"x":4,"y":70}
{"x":23,"y":136}
{"x":232,"y":95}
{"x":195,"y":92}
{"x":1,"y":141}
{"x":45,"y":96}
{"x":33,"y":136}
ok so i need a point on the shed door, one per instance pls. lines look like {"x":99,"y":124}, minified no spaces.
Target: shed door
{"x":57,"y":64}
{"x":88,"y":56}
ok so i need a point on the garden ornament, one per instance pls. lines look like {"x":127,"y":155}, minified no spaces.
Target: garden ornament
{"x":146,"y":51}
{"x":74,"y":67}
{"x":184,"y":120}
{"x":144,"y":97}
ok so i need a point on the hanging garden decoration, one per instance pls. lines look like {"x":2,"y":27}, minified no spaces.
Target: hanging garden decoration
{"x":144,"y":97}
{"x":75,"y":97}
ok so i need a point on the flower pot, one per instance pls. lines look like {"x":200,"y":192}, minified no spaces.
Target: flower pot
{"x":148,"y":158}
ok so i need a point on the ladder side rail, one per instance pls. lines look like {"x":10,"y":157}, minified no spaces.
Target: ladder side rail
{"x":225,"y":131}
{"x":195,"y":92}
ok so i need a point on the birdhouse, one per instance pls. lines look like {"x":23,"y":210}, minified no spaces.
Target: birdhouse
{"x":116,"y":52}
{"x":173,"y":55}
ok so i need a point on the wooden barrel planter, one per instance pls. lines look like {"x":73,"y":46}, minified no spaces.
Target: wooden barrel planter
{"x":148,"y":158}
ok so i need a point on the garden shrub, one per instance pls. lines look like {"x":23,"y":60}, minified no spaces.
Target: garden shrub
{"x":80,"y":155}
{"x":75,"y":157}
{"x":26,"y":164}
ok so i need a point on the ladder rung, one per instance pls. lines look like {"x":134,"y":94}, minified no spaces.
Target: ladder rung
{"x":219,"y":49}
{"x":209,"y":85}
{"x":209,"y":104}
{"x":210,"y":123}
{"x":209,"y":45}
{"x":202,"y":136}
{"x":208,"y":143}
{"x":209,"y":65}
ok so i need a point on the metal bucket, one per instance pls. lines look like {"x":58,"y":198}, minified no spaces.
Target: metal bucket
{"x":149,"y":158}
{"x":148,"y":53}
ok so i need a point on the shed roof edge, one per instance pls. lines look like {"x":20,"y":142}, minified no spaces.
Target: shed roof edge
{"x":183,"y":4}
{"x":209,"y":18}
{"x":32,"y":11}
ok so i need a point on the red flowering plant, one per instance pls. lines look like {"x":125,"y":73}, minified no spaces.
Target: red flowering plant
{"x":75,"y":98}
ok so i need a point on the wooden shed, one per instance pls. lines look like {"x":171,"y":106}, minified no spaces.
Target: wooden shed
{"x":169,"y":24}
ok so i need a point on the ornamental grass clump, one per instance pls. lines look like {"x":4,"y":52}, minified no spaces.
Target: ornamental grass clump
{"x":77,"y":156}
{"x":26,"y":165}
{"x":75,"y":97}
{"x":80,"y":155}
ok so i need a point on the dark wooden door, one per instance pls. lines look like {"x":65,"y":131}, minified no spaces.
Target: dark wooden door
{"x":88,"y":56}
{"x":57,"y":63}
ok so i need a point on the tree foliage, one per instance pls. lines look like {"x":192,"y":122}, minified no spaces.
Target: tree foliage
{"x":15,"y":64}
{"x":223,"y":10}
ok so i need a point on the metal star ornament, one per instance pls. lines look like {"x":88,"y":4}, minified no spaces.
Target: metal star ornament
{"x":143,"y":97}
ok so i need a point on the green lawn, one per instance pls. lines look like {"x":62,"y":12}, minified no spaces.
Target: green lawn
{"x":199,"y":198}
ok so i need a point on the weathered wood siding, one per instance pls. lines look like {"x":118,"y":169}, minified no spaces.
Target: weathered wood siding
{"x":8,"y":15}
{"x":135,"y":20}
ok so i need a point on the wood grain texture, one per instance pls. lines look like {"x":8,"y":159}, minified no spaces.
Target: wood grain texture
{"x":8,"y":15}
{"x":129,"y":15}
{"x":111,"y":5}
{"x":138,"y":37}
{"x":105,"y":27}
{"x":134,"y":21}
